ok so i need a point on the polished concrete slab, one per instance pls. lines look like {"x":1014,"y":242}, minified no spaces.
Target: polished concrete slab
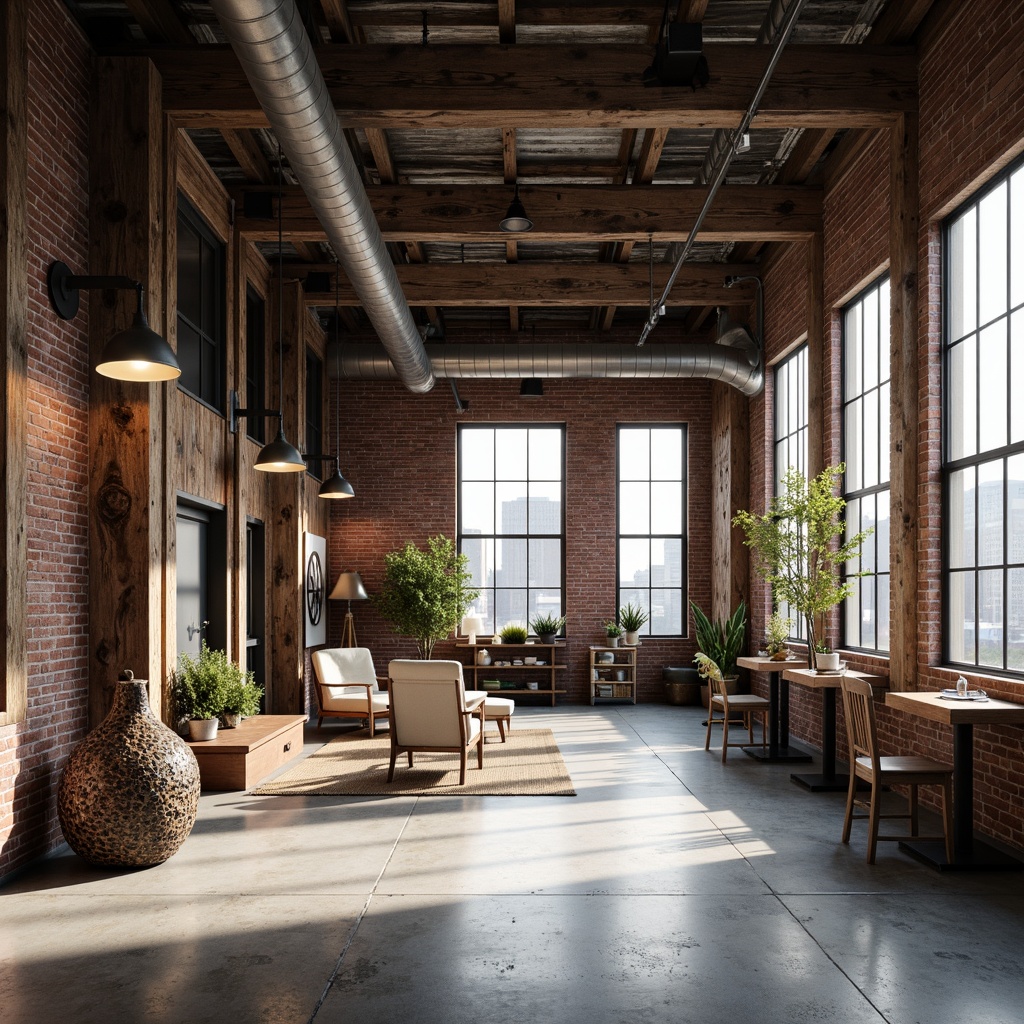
{"x":671,"y":888}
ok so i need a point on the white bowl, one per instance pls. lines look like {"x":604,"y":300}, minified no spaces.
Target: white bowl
{"x":529,"y":661}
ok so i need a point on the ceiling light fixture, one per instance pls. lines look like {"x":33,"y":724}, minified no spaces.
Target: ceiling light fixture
{"x":337,"y":486}
{"x":137,"y":353}
{"x":516,"y":219}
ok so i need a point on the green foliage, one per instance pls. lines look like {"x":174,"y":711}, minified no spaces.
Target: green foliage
{"x":722,"y":642}
{"x":776,"y":632}
{"x":547,"y":625}
{"x":707,"y":667}
{"x":513,"y":633}
{"x":822,"y":647}
{"x":243,"y":697}
{"x":425,"y":593}
{"x":201,"y":685}
{"x":612,"y":629}
{"x":797,"y":545}
{"x":632,"y":618}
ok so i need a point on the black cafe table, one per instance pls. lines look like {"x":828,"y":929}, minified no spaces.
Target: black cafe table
{"x":968,"y":853}
{"x":778,"y":751}
{"x":828,"y":781}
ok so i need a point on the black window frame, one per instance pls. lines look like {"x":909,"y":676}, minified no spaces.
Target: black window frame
{"x":683,"y":538}
{"x":211,"y":393}
{"x":1013,"y":314}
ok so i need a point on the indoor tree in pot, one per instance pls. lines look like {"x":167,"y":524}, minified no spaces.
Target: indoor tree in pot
{"x":632,"y":618}
{"x":201,"y":687}
{"x":797,"y":547}
{"x":722,"y":642}
{"x":425,"y":593}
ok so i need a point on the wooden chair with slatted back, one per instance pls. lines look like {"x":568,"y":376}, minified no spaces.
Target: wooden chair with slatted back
{"x":739,"y":705}
{"x":866,"y":763}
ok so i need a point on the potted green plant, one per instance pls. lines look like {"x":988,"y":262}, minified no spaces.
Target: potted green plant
{"x":722,"y":641}
{"x":201,"y":687}
{"x":242,"y":700}
{"x":632,"y":618}
{"x":425,"y":593}
{"x":513,"y":633}
{"x":796,"y":543}
{"x":612,"y":632}
{"x":547,"y":627}
{"x":825,"y":659}
{"x":776,"y":633}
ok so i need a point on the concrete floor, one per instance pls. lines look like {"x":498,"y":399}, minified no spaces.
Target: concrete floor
{"x":671,"y":888}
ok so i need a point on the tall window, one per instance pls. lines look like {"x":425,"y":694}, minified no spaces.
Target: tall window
{"x":791,"y":439}
{"x":314,"y":412}
{"x":201,"y":308}
{"x":652,"y":524}
{"x":866,"y":454}
{"x":512,"y":519}
{"x":983,"y":463}
{"x":255,"y":364}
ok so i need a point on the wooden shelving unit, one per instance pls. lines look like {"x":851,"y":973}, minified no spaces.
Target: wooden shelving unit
{"x":605,"y":681}
{"x":546,"y":676}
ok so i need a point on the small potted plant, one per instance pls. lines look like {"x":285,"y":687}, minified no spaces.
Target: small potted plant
{"x":612,"y":631}
{"x":513,"y":633}
{"x":547,"y":627}
{"x":722,"y":642}
{"x":776,"y":633}
{"x":825,"y":659}
{"x":632,"y":619}
{"x":201,"y":688}
{"x":242,"y":701}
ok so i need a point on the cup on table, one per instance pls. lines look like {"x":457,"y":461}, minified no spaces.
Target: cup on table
{"x":961,"y":687}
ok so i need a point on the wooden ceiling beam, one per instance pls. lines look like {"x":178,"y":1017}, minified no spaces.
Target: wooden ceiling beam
{"x":556,"y":86}
{"x":582,"y":213}
{"x":554,"y":285}
{"x":526,"y":12}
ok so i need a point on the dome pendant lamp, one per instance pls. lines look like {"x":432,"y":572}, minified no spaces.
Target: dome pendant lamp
{"x":280,"y":456}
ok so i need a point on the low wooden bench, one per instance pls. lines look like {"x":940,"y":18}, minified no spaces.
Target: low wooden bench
{"x":239,"y":758}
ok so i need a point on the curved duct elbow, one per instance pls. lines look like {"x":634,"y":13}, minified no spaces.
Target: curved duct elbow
{"x":276,"y":54}
{"x":667,"y":361}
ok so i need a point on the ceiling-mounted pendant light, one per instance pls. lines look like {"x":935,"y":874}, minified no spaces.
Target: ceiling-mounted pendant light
{"x":137,"y":353}
{"x":515,"y":219}
{"x":280,"y":456}
{"x":336,"y":486}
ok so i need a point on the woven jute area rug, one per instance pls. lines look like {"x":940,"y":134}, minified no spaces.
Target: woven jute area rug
{"x":528,"y":764}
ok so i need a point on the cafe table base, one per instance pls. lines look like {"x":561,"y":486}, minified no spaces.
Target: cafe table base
{"x":778,"y":755}
{"x":823,"y":783}
{"x":981,"y":856}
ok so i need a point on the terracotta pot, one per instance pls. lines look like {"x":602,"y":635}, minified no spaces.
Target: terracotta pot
{"x":129,"y":793}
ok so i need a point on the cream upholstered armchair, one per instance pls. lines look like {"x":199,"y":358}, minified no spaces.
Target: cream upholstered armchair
{"x":347,"y":686}
{"x":431,"y":711}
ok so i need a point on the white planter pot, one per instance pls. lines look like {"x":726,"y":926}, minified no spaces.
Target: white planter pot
{"x":200,"y":729}
{"x":613,"y":641}
{"x":827,"y":662}
{"x":632,"y":639}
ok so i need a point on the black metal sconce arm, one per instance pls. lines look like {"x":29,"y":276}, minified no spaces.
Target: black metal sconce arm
{"x":236,"y":413}
{"x":64,"y":287}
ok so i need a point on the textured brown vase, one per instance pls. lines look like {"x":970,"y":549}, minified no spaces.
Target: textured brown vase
{"x":129,"y":792}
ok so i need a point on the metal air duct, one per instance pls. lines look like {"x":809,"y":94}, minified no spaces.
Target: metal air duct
{"x":276,"y":54}
{"x":488,"y":360}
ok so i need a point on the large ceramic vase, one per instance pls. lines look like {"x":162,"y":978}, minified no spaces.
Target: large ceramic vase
{"x":129,"y":792}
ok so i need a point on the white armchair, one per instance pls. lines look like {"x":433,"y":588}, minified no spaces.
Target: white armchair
{"x":431,"y":711}
{"x":347,"y":686}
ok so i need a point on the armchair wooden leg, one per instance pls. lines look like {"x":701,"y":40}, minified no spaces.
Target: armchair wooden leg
{"x":410,"y":758}
{"x":462,"y":767}
{"x":372,"y":721}
{"x":480,"y":752}
{"x":501,"y":728}
{"x":391,"y":767}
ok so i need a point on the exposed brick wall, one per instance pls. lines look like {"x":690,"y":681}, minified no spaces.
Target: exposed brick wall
{"x":399,"y":452}
{"x":33,"y":752}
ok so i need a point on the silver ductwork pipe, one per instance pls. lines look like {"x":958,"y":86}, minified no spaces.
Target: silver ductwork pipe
{"x":275,"y":52}
{"x":487,"y":360}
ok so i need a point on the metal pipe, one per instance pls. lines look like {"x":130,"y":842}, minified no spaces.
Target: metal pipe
{"x":716,"y":182}
{"x":275,"y":52}
{"x":365,"y":361}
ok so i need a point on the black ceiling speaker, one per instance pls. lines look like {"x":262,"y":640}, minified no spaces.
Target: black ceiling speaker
{"x":679,"y":57}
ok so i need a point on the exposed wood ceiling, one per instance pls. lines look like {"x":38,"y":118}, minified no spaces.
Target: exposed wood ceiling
{"x":447,"y":104}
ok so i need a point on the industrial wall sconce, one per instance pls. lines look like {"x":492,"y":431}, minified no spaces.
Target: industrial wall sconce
{"x":279,"y":456}
{"x":137,"y":353}
{"x":335,"y":486}
{"x":515,"y":219}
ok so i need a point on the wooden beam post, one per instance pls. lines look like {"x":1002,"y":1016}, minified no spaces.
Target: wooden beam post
{"x":730,"y":475}
{"x":127,"y":505}
{"x":285,"y":650}
{"x":815,"y":356}
{"x":903,"y":423}
{"x":13,"y":355}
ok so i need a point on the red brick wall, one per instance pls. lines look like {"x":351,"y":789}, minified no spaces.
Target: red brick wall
{"x":32,"y":752}
{"x":399,"y":452}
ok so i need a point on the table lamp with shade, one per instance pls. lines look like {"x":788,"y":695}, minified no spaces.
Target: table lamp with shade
{"x":349,"y":588}
{"x":471,"y":625}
